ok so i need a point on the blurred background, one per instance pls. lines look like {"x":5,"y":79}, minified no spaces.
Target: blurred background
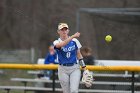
{"x":32,"y":24}
{"x":28,"y":27}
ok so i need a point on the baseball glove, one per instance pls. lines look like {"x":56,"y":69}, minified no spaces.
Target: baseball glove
{"x":87,"y":78}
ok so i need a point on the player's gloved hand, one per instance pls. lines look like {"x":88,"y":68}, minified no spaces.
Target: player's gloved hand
{"x":87,"y":78}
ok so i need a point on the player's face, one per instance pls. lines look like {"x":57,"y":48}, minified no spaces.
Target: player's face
{"x":51,"y":49}
{"x":63,"y":32}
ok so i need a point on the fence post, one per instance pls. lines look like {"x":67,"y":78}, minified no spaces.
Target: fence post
{"x":133,"y":81}
{"x":32,"y":55}
{"x":53,"y":85}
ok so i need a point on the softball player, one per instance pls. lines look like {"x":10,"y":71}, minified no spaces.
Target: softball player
{"x":69,"y":56}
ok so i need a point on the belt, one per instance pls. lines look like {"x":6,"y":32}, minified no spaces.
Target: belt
{"x":68,"y":64}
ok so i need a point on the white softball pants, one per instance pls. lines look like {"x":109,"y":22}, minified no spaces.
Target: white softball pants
{"x":69,"y":77}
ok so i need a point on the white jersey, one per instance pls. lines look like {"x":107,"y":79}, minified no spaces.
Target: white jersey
{"x":68,"y":53}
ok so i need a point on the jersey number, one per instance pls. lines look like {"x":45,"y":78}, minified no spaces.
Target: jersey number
{"x":68,"y":54}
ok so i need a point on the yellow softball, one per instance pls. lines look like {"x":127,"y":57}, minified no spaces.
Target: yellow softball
{"x":108,"y":38}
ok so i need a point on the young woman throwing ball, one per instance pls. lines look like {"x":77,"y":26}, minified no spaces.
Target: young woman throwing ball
{"x":69,"y":56}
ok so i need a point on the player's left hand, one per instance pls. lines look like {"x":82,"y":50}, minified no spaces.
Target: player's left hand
{"x":87,"y":78}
